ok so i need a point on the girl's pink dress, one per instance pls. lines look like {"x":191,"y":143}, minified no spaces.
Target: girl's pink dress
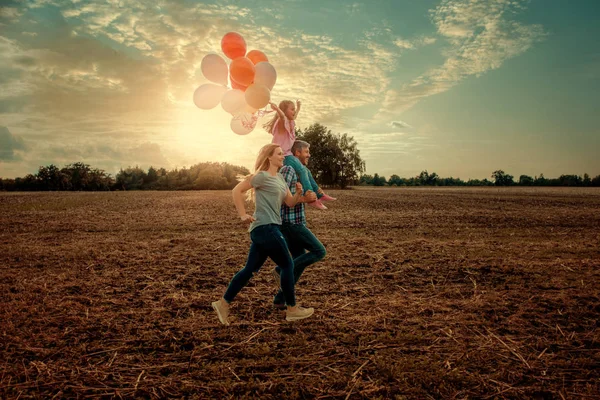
{"x":285,"y":137}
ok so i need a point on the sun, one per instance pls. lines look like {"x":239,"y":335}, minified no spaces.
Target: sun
{"x":205,"y":135}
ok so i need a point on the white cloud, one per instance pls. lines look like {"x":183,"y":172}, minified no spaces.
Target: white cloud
{"x":10,"y":14}
{"x":134,"y":88}
{"x":412,"y":44}
{"x":481,"y":37}
{"x":400,"y":124}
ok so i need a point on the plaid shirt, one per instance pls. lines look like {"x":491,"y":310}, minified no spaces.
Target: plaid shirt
{"x":291,"y":215}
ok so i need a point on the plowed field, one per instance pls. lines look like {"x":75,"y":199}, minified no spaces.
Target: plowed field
{"x":424,"y":293}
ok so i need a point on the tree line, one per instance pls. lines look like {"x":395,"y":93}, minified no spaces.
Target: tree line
{"x":82,"y":177}
{"x":335,"y":162}
{"x":499,"y":178}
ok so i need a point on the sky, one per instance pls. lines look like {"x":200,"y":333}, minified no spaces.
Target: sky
{"x":457,"y":87}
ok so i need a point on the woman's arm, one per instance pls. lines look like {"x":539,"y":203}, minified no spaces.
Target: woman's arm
{"x":290,"y":200}
{"x":238,"y":200}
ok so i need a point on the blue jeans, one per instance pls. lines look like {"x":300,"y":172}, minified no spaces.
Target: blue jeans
{"x":267,"y":241}
{"x":304,"y":175}
{"x":300,"y":239}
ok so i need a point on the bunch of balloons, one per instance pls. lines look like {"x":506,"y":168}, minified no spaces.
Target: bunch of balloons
{"x":252,"y":79}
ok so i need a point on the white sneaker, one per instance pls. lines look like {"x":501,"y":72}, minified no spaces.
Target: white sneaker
{"x":299,"y":313}
{"x":222,"y":312}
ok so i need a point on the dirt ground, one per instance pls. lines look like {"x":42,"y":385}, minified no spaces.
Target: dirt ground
{"x":449,"y":293}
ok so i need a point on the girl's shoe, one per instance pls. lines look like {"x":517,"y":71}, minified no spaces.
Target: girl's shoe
{"x":327,"y":197}
{"x":317,"y":204}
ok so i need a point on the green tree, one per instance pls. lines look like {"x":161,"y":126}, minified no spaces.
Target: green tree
{"x":366,"y":180}
{"x":586,"y":180}
{"x":525,"y":180}
{"x":28,"y":183}
{"x":450,"y":182}
{"x":152,"y":175}
{"x":335,"y":159}
{"x":540,"y":181}
{"x":427,"y":179}
{"x":51,"y":178}
{"x":379,"y":180}
{"x":501,"y":178}
{"x":395,"y":180}
{"x":77,"y":175}
{"x":130,"y":178}
{"x":570,"y":180}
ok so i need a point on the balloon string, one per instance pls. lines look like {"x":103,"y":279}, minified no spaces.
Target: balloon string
{"x":250,"y":123}
{"x":262,"y":113}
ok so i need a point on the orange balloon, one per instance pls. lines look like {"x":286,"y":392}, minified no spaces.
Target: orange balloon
{"x":233,"y":45}
{"x":242,"y":71}
{"x":236,"y":85}
{"x":256,"y":56}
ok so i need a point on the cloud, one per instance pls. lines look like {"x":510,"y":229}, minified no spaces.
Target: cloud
{"x":412,"y":44}
{"x":10,"y":145}
{"x":125,"y":58}
{"x":400,"y":124}
{"x":480,"y":36}
{"x":10,"y":14}
{"x":107,"y":156}
{"x":124,"y":72}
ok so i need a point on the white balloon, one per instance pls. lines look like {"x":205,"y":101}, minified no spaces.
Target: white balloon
{"x":243,"y":123}
{"x":257,"y":95}
{"x":209,"y":95}
{"x":248,"y":109}
{"x":265,"y":74}
{"x":214,"y":68}
{"x":233,"y":101}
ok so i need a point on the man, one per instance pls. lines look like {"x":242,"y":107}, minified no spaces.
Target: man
{"x":304,"y":246}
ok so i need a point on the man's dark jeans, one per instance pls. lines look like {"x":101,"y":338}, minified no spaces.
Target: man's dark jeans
{"x":306,"y":249}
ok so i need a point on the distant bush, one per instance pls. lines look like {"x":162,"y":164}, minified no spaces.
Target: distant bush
{"x":500,"y":177}
{"x":81,"y":177}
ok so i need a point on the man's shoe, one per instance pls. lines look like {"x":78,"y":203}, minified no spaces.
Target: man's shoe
{"x":298,"y":313}
{"x":317,"y":204}
{"x":279,"y":306}
{"x":222,"y":312}
{"x":327,"y":197}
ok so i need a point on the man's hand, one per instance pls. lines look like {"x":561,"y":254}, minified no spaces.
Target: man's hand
{"x":309,"y":196}
{"x":247,"y":219}
{"x":298,"y":188}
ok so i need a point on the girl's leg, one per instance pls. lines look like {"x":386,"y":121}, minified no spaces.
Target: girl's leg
{"x":321,"y":195}
{"x":256,"y":258}
{"x":314,"y":185}
{"x":301,"y":171}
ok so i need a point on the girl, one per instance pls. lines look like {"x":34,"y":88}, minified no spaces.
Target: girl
{"x":283,"y":128}
{"x":270,"y":191}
